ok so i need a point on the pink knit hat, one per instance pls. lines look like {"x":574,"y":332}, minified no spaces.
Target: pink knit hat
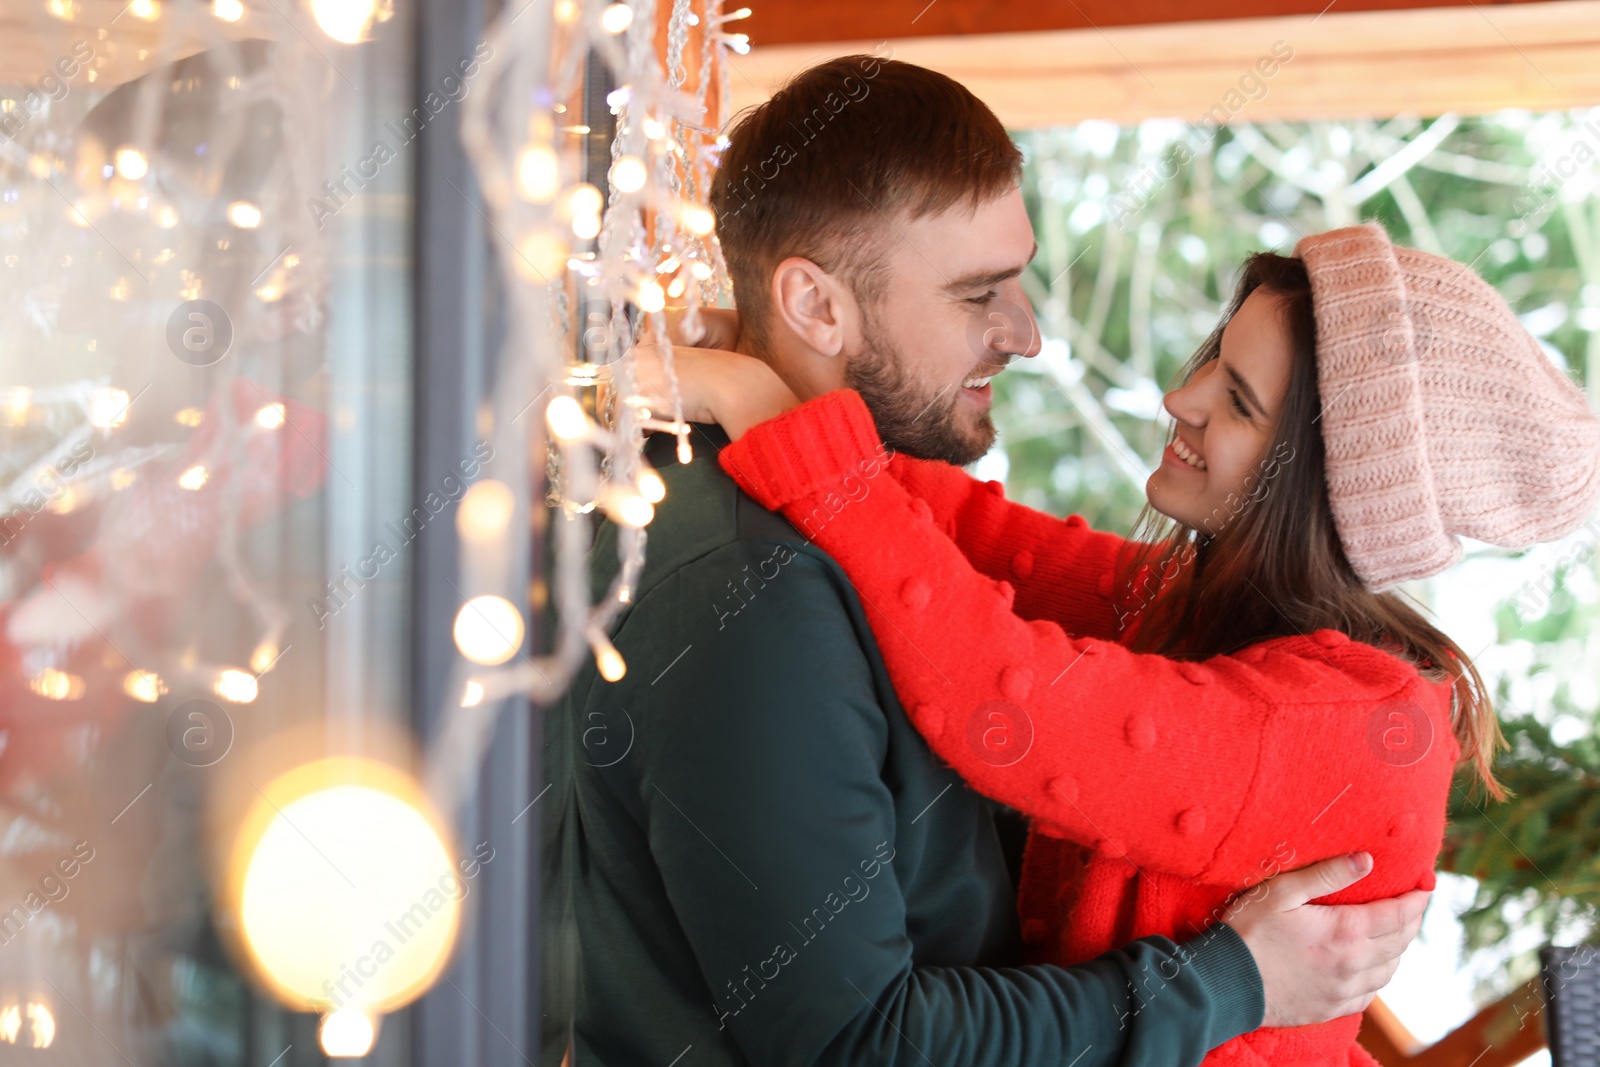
{"x":1441,"y":415}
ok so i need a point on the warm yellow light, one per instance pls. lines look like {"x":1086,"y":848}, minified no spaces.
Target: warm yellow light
{"x":616,"y":18}
{"x":485,"y":511}
{"x":652,"y":297}
{"x":78,"y":213}
{"x":265,"y":657}
{"x":472,"y":694}
{"x":628,"y":174}
{"x":123,"y":477}
{"x":227,"y":10}
{"x":628,"y":508}
{"x":653,"y":128}
{"x":651,"y":487}
{"x":14,"y":408}
{"x":236,"y":686}
{"x":698,"y":220}
{"x":194,"y":478}
{"x":586,"y":227}
{"x":607,"y":658}
{"x":488,"y":630}
{"x":53,"y":684}
{"x":44,"y":1024}
{"x":244,"y":214}
{"x":120,"y":290}
{"x":131,"y":163}
{"x":62,"y":9}
{"x":40,"y":165}
{"x":566,"y":419}
{"x":270,"y":416}
{"x":143,"y":686}
{"x":64,"y":501}
{"x":538,"y":174}
{"x":677,"y":287}
{"x":584,"y":199}
{"x":166,"y":217}
{"x":345,"y":21}
{"x":346,"y":1033}
{"x":542,"y":256}
{"x":565,"y":12}
{"x":347,"y":893}
{"x":108,"y":407}
{"x":41,"y":1024}
{"x":190,"y":417}
{"x":148,"y":10}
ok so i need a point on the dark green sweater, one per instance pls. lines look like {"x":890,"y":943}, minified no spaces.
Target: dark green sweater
{"x":754,"y":858}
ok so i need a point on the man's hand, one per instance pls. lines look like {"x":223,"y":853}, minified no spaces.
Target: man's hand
{"x":1319,"y":962}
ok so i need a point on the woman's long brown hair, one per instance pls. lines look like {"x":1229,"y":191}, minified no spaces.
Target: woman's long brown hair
{"x":1269,"y":563}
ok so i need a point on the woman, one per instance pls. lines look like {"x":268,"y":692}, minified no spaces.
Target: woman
{"x":1185,"y":716}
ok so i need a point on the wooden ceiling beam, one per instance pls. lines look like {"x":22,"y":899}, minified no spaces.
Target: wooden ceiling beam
{"x":1345,"y":64}
{"x":781,"y":22}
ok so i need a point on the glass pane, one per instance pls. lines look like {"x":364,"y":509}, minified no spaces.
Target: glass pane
{"x":204,"y":438}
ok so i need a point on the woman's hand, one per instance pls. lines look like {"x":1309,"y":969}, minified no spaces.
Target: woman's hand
{"x":705,"y":328}
{"x":734,"y":390}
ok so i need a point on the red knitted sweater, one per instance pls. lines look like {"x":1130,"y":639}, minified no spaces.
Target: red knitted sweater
{"x":1157,"y":788}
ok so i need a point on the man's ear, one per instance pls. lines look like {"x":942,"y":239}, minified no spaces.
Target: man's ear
{"x":814,"y":304}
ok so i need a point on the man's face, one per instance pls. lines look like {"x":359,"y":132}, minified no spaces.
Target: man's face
{"x":951,"y":315}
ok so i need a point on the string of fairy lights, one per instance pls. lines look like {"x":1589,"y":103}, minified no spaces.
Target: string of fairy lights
{"x":99,"y":219}
{"x":159,"y":190}
{"x":645,"y":241}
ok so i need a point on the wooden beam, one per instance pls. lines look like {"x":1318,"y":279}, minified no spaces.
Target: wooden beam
{"x":1501,"y":1035}
{"x":1389,"y":1040}
{"x":1471,"y":60}
{"x":775,"y":22}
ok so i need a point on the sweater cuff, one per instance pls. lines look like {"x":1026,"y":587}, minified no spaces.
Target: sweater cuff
{"x":805,"y":450}
{"x":1226,"y":969}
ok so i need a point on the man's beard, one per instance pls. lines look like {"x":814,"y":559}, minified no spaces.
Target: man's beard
{"x":912,"y":417}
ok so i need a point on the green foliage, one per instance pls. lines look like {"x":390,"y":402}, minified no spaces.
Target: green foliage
{"x":1537,"y":856}
{"x":1133,"y":271}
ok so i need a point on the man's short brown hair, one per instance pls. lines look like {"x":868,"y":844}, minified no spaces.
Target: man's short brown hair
{"x":822,"y":168}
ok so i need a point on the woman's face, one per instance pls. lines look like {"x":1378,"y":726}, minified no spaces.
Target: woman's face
{"x":1226,"y":415}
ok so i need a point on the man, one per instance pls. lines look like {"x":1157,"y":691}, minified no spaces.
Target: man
{"x":754,"y":856}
